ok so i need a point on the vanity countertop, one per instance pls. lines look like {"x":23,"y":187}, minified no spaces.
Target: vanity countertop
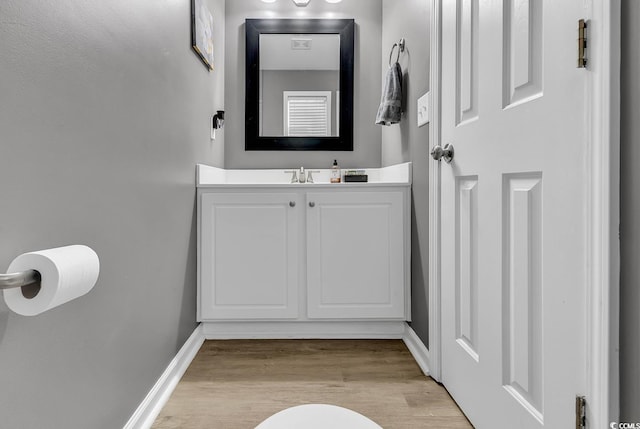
{"x":214,"y":177}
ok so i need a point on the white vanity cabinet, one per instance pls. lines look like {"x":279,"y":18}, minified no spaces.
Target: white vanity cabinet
{"x":249,"y":257}
{"x":280,"y":260}
{"x":355,"y":255}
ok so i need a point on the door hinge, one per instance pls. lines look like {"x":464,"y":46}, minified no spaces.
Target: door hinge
{"x":582,"y":44}
{"x":581,"y":415}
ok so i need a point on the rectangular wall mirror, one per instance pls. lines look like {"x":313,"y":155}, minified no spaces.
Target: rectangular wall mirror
{"x":299,"y":84}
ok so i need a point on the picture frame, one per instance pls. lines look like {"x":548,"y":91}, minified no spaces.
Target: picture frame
{"x":202,"y":32}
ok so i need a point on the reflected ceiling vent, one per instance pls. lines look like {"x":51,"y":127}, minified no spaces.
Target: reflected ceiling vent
{"x":300,"y":44}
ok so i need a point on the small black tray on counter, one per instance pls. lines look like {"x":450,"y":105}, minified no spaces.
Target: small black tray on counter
{"x":356,"y":178}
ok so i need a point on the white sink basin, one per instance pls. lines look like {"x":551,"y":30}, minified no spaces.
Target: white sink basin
{"x":208,"y":176}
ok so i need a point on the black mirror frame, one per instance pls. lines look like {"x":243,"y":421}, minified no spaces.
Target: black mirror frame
{"x":254,"y":27}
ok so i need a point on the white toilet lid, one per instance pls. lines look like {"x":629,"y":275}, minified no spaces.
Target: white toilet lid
{"x":317,"y":416}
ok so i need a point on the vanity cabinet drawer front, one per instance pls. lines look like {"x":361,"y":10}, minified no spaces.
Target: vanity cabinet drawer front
{"x":355,"y":255}
{"x":249,"y":256}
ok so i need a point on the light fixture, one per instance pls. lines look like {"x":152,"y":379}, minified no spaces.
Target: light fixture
{"x":268,"y":1}
{"x":333,"y":1}
{"x":218,"y":119}
{"x":301,"y":3}
{"x":217,"y":122}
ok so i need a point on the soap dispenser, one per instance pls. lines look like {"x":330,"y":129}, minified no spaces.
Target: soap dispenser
{"x":335,"y":172}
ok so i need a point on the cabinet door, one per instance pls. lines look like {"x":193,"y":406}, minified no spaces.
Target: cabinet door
{"x":249,"y":256}
{"x":355,"y":259}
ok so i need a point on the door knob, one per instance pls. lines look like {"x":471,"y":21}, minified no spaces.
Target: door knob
{"x":292,"y":203}
{"x":438,"y":153}
{"x":312,"y":204}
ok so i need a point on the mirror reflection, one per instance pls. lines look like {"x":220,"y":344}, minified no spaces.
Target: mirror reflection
{"x":299,"y":85}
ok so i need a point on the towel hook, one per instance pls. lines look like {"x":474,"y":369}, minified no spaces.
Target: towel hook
{"x":400,"y":46}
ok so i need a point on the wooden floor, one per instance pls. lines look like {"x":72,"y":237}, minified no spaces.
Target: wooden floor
{"x":238,"y":383}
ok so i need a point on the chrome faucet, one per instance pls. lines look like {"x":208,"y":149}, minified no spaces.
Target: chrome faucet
{"x":299,"y":176}
{"x":294,"y":176}
{"x":310,"y":176}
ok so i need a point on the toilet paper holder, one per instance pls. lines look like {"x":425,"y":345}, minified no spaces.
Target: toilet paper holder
{"x":19,"y":279}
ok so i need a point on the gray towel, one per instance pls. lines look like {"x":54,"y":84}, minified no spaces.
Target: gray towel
{"x":390,"y":109}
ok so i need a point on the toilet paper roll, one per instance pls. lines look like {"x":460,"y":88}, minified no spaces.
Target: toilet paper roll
{"x":66,"y":273}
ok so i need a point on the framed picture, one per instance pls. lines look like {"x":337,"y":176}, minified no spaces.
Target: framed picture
{"x":202,"y":32}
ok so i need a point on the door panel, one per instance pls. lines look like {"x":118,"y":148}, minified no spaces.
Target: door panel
{"x":467,"y":64}
{"x":522,"y":289}
{"x":355,"y":262}
{"x":522,"y":30}
{"x":467,"y":267}
{"x":249,"y":256}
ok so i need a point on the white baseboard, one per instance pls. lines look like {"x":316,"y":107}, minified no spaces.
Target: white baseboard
{"x":306,"y":329}
{"x":159,"y":394}
{"x":417,"y":348}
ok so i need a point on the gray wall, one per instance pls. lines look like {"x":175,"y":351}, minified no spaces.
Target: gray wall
{"x":103,"y":115}
{"x":629,"y":210}
{"x":367,"y":136}
{"x":406,"y":142}
{"x":274,"y":82}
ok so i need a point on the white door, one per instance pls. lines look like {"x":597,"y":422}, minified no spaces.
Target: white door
{"x":249,"y":256}
{"x":355,"y":255}
{"x":513,"y":212}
